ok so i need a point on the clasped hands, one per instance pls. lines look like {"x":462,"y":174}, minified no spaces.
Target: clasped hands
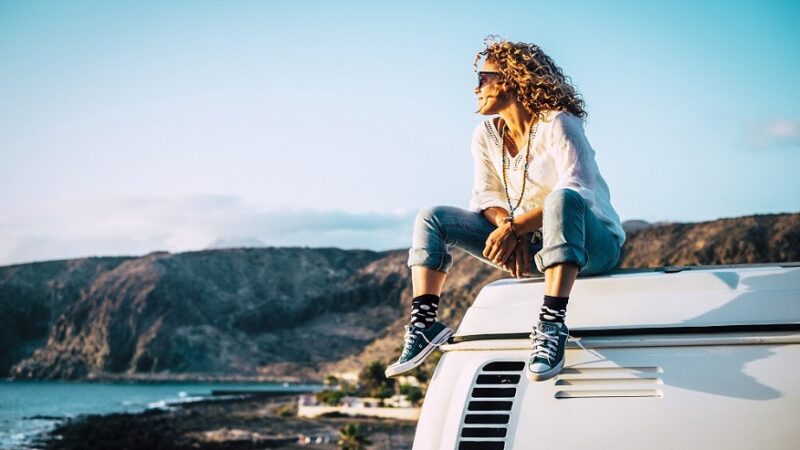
{"x":507,"y":251}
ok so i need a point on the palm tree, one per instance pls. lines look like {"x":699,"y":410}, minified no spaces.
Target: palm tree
{"x":353,"y":437}
{"x":373,"y":382}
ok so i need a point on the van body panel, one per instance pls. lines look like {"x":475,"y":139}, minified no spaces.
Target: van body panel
{"x":696,"y":298}
{"x":688,"y":397}
{"x":691,"y":360}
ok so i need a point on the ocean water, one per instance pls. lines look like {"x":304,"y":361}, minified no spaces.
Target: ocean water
{"x":28,"y":408}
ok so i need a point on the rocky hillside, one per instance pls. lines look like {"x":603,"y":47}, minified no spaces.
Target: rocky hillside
{"x":751,"y":239}
{"x":288,"y":313}
{"x":224,"y":312}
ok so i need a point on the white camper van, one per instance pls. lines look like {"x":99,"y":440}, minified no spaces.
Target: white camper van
{"x":672,"y":358}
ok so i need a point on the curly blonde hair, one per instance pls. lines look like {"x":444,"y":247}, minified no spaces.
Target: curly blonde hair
{"x":537,"y":81}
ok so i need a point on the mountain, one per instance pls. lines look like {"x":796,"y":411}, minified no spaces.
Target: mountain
{"x":221,"y":312}
{"x":750,"y":239}
{"x":279,"y":313}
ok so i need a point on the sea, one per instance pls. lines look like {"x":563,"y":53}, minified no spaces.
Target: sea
{"x":30,"y":408}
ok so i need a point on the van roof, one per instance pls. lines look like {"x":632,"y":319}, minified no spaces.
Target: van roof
{"x":684,"y":297}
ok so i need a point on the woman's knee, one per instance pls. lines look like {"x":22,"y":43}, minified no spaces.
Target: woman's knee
{"x":429,"y":247}
{"x":431,"y":214}
{"x":438,"y":218}
{"x":564,"y":199}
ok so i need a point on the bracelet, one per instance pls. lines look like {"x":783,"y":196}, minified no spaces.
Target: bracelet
{"x":510,"y":221}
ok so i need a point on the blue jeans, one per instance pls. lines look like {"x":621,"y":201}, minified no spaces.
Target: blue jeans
{"x":570,"y":233}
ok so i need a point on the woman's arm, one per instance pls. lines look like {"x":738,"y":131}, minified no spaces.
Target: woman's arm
{"x":517,"y":260}
{"x":488,"y":199}
{"x":507,"y":246}
{"x":487,"y":189}
{"x":495,"y":215}
{"x":574,"y":158}
{"x":523,"y":223}
{"x":529,"y":221}
{"x":501,"y":242}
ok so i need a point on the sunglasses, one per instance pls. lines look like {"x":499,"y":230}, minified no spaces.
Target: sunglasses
{"x":485,"y":77}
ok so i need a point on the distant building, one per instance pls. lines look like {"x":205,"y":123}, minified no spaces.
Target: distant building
{"x":396,"y":407}
{"x":307,"y":400}
{"x":351,"y":377}
{"x":360,"y":402}
{"x":398,"y":401}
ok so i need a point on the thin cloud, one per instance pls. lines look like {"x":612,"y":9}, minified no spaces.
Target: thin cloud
{"x":782,"y":133}
{"x":139,"y":225}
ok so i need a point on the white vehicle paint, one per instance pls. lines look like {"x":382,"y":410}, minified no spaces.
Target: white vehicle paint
{"x":674,"y":358}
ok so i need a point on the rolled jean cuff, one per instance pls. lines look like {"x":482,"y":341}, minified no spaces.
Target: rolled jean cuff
{"x":559,"y":254}
{"x":432,"y":260}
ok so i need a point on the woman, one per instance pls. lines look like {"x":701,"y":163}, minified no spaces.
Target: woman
{"x":537,"y":191}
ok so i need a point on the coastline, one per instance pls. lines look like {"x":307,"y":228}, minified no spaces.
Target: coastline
{"x":249,"y":422}
{"x":31,"y":408}
{"x":176,"y":378}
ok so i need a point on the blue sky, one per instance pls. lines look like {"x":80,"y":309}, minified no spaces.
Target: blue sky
{"x":129,"y":127}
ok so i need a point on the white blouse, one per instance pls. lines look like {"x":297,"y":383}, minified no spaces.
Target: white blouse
{"x":560,"y":157}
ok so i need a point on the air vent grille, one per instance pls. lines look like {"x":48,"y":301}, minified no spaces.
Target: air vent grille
{"x":604,"y":382}
{"x":488,"y":413}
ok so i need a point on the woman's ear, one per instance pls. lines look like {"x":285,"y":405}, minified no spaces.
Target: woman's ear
{"x":504,"y":89}
{"x":503,"y":86}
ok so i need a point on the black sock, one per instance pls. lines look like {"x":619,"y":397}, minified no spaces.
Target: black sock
{"x":423,"y":310}
{"x":554,"y":309}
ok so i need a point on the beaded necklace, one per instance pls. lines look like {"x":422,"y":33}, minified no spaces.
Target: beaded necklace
{"x":531,"y":134}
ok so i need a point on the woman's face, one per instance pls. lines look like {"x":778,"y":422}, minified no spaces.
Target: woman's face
{"x":491,"y":94}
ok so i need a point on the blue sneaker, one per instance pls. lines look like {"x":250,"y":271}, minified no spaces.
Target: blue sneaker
{"x":549,"y":340}
{"x":419,"y":343}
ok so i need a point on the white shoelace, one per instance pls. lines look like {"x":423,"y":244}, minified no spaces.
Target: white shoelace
{"x":579,"y":344}
{"x":409,"y":337}
{"x":544,"y":345}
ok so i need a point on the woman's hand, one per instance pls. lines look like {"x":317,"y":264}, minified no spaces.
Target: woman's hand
{"x":500,"y":244}
{"x":521,"y":260}
{"x":510,"y":264}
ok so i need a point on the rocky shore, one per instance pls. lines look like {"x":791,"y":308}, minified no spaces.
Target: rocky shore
{"x":239,"y":423}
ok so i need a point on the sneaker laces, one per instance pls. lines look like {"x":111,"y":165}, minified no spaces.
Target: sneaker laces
{"x":408,"y":339}
{"x":544,"y":345}
{"x":590,"y":351}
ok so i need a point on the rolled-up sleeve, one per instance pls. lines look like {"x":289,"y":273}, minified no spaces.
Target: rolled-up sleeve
{"x":573,"y":156}
{"x":487,"y":189}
